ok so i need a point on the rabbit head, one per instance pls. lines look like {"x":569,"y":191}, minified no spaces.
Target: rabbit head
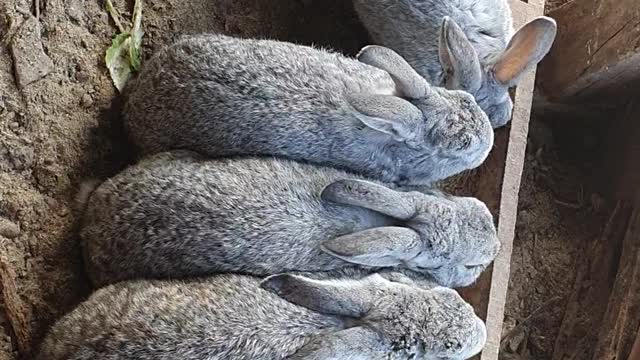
{"x":463,"y":237}
{"x":438,"y":132}
{"x":452,"y":239}
{"x":489,"y":83}
{"x":386,"y":320}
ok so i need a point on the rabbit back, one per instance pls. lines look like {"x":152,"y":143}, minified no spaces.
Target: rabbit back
{"x":179,"y":214}
{"x":223,"y":96}
{"x":225,"y":317}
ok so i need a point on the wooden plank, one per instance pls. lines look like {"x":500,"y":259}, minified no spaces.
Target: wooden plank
{"x":513,"y":167}
{"x":523,"y":12}
{"x":18,"y":313}
{"x":622,"y":318}
{"x":597,"y":48}
{"x":587,"y":302}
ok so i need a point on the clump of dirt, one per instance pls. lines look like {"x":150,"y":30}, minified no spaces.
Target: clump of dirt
{"x":60,"y":124}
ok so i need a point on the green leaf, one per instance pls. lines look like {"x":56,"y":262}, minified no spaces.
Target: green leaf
{"x":117,"y":60}
{"x":123,"y":57}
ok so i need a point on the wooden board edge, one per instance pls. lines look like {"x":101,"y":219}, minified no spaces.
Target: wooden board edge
{"x":523,"y":12}
{"x":514,"y":167}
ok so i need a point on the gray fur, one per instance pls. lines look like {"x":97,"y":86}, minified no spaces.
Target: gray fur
{"x":454,"y":238}
{"x":180,"y":214}
{"x":235,"y":317}
{"x":459,"y":44}
{"x":223,"y":96}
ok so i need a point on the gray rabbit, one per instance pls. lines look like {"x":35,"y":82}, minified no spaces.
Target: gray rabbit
{"x":461,"y":44}
{"x":179,"y":214}
{"x":223,"y":96}
{"x":235,"y":317}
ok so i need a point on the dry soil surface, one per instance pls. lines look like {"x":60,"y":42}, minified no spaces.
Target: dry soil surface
{"x":560,"y":215}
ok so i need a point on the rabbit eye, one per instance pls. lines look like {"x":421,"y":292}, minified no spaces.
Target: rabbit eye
{"x":473,"y":267}
{"x":434,"y":268}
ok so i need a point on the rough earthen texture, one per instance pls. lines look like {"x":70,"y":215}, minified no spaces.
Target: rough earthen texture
{"x":560,"y":217}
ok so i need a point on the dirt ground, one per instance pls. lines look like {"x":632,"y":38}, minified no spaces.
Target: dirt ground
{"x":560,"y":215}
{"x":60,"y":124}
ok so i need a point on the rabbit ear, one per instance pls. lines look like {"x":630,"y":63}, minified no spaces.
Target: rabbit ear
{"x":372,"y":196}
{"x":334,"y":297}
{"x":458,"y":58}
{"x":352,"y":343}
{"x":377,"y":247}
{"x":527,"y":48}
{"x":408,"y":82}
{"x":391,"y":115}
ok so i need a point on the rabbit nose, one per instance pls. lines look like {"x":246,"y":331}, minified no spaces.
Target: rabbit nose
{"x":478,"y":341}
{"x":500,"y":114}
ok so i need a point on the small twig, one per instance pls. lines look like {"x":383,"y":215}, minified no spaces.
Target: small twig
{"x":567,"y":204}
{"x":37,"y":5}
{"x":547,"y":304}
{"x":16,"y":311}
{"x":535,"y":246}
{"x":137,"y":17}
{"x":523,"y":348}
{"x":581,"y":195}
{"x":114,"y":15}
